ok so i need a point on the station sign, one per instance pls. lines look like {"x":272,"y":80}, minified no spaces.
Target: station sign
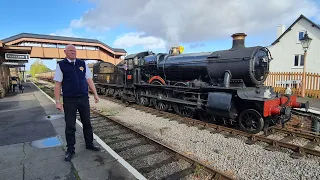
{"x":296,"y":81}
{"x":12,"y":63}
{"x":17,"y":57}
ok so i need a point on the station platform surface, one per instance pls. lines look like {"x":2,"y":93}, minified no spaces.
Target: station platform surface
{"x":313,"y":102}
{"x":32,"y":144}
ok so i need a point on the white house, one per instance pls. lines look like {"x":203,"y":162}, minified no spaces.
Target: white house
{"x":288,"y":52}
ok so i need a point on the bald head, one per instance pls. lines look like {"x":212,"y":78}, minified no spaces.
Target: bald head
{"x":70,"y":51}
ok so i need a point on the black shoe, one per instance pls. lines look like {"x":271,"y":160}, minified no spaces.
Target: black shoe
{"x":69,"y":155}
{"x":93,"y":148}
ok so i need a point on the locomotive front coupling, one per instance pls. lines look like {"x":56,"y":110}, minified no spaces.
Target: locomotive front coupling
{"x":287,"y":103}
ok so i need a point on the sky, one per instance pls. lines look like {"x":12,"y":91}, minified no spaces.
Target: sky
{"x":138,"y":25}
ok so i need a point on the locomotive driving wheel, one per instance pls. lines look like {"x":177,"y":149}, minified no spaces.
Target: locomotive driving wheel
{"x":142,"y":100}
{"x":162,"y":105}
{"x":251,"y":121}
{"x":206,"y":117}
{"x":182,"y":109}
{"x":158,"y":103}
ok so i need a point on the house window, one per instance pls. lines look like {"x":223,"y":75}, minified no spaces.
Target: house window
{"x":298,"y":60}
{"x":301,"y":34}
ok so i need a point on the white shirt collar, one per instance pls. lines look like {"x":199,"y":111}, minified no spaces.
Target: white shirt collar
{"x":71,"y":61}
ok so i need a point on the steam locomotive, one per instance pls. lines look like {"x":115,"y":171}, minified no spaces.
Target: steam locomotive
{"x":222,"y":87}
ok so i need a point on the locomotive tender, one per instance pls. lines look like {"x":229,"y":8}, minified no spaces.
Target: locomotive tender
{"x":225,"y":86}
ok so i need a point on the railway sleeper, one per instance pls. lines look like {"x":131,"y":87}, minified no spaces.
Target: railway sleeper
{"x":149,"y":153}
{"x":273,"y":146}
{"x":115,"y":135}
{"x":130,"y":147}
{"x":117,"y":140}
{"x":312,"y":144}
{"x":181,"y":174}
{"x":288,"y":138}
{"x":251,"y":140}
{"x":155,"y":166}
{"x":298,"y":154}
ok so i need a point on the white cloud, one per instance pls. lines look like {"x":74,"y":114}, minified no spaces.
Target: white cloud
{"x":128,"y":40}
{"x":68,"y":32}
{"x":191,"y":21}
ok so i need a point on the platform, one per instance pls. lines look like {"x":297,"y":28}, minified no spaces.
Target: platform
{"x":314,"y":103}
{"x":32,"y":144}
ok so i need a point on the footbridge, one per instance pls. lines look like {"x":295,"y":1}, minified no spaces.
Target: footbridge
{"x":15,"y":52}
{"x":52,"y":47}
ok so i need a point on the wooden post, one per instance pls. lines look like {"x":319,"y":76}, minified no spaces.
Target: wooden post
{"x":304,"y":75}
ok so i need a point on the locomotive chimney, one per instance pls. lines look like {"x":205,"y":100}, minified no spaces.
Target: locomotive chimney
{"x":238,"y":40}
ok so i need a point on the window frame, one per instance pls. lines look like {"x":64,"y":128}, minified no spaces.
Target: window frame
{"x":299,"y":61}
{"x":298,"y":35}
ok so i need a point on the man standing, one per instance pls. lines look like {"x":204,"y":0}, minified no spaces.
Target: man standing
{"x":74,"y":76}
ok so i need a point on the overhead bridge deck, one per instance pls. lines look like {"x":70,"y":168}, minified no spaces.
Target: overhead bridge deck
{"x":52,"y":47}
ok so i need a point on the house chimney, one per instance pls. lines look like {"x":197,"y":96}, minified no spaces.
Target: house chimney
{"x":238,"y":40}
{"x":280,"y":30}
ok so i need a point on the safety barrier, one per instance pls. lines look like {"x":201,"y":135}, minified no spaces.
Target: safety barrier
{"x":279,"y":80}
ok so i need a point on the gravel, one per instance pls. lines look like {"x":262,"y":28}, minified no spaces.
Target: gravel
{"x":225,"y":154}
{"x":277,"y":136}
{"x":152,"y":159}
{"x":299,"y":141}
{"x":168,"y":169}
{"x":136,"y":151}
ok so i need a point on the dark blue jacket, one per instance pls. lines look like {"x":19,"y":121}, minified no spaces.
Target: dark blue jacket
{"x":74,"y":83}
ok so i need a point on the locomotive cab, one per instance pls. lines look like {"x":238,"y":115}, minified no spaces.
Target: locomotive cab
{"x":132,"y":68}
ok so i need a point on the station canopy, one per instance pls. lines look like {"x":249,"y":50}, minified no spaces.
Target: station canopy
{"x":14,"y":56}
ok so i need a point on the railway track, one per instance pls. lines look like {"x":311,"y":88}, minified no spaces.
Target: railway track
{"x":290,"y":135}
{"x":150,"y":157}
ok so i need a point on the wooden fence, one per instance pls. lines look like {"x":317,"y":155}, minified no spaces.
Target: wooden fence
{"x":279,"y":80}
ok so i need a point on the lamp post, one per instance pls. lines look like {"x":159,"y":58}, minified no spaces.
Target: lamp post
{"x":305,"y":42}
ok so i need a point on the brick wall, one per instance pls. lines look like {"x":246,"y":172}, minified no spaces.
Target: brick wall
{"x":4,"y":80}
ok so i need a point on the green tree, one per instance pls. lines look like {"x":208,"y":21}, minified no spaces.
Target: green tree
{"x":38,"y":67}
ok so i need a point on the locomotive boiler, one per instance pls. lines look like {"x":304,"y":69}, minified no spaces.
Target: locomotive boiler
{"x":225,"y":86}
{"x":247,"y":65}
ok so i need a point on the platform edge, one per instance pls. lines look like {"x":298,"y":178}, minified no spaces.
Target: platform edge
{"x":124,"y":163}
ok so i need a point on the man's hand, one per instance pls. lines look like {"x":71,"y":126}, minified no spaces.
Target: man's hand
{"x":96,"y":98}
{"x":59,"y":106}
{"x":93,"y":89}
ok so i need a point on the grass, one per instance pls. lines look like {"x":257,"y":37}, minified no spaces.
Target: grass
{"x":197,"y":171}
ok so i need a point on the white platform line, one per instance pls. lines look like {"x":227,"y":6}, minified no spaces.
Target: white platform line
{"x":124,"y":163}
{"x":311,"y":109}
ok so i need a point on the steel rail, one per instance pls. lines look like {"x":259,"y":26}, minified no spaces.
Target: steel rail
{"x":219,"y":175}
